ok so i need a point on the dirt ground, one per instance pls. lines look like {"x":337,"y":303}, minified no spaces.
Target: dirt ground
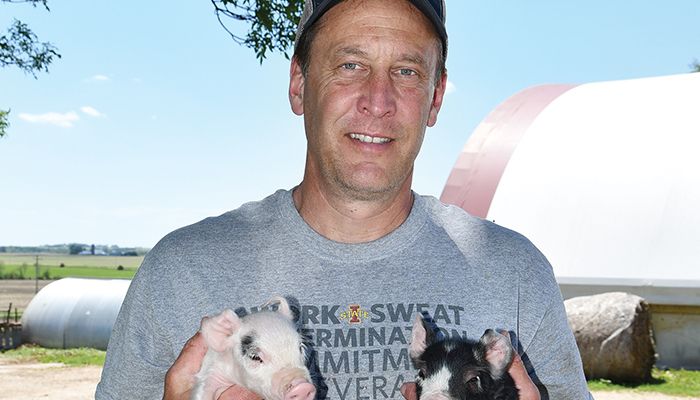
{"x":57,"y":382}
{"x":17,"y":292}
{"x":47,"y":381}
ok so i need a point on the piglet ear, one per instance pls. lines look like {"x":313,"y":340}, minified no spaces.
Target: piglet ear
{"x":282,"y":306}
{"x":422,"y":336}
{"x":218,"y":330}
{"x":497,"y":351}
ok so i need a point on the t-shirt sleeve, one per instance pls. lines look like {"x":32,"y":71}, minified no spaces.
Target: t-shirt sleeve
{"x":139,"y":354}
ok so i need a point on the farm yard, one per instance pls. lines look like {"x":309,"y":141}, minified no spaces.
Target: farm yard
{"x":27,"y":377}
{"x":28,"y":374}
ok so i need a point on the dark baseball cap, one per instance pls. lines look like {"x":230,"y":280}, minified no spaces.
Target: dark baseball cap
{"x":433,"y":9}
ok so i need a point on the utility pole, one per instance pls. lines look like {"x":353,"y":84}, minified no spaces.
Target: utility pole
{"x":36,"y":275}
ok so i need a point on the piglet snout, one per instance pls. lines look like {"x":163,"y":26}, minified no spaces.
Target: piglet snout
{"x":300,"y":389}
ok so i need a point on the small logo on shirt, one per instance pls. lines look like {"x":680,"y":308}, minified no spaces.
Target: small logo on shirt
{"x":354,"y":314}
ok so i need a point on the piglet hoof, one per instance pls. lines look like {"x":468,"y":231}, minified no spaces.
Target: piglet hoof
{"x":300,"y":389}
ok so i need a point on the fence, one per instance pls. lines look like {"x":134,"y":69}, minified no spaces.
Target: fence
{"x":10,"y":332}
{"x":10,"y":335}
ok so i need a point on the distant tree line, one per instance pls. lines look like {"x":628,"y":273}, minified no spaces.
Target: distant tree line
{"x":77,"y":248}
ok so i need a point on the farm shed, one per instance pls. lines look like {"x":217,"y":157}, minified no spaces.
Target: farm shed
{"x":604,"y":178}
{"x":74,"y":312}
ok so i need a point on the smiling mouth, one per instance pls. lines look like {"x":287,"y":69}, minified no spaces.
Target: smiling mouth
{"x":369,"y":139}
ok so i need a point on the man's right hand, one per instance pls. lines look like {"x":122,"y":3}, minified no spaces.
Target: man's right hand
{"x":180,"y":378}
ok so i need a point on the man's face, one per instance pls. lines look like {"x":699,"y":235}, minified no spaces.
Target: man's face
{"x":368,"y":96}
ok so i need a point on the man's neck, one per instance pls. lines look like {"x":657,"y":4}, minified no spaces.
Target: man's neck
{"x":351,"y":221}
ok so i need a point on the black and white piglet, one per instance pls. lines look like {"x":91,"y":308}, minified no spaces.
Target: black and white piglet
{"x":261,"y":351}
{"x":457,"y":368}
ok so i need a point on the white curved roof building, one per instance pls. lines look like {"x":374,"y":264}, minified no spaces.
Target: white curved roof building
{"x":604,"y":178}
{"x":74,"y":312}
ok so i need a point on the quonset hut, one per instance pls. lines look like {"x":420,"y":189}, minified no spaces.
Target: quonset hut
{"x":604,"y":178}
{"x":73,"y":312}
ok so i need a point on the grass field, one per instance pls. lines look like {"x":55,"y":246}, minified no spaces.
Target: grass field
{"x":22,"y":266}
{"x":674,"y":382}
{"x":31,"y":353}
{"x":71,"y":260}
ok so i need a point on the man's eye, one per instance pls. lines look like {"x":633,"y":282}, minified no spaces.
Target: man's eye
{"x":407,"y":72}
{"x":350,"y":66}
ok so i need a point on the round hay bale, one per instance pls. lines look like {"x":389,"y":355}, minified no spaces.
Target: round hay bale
{"x":614,"y":336}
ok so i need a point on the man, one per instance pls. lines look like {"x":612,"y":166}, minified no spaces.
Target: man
{"x":352,"y":243}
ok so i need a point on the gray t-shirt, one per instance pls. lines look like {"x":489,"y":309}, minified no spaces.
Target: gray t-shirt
{"x":357,"y":301}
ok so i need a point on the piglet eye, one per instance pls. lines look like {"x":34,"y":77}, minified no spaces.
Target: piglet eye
{"x":255,"y":357}
{"x":474,"y":384}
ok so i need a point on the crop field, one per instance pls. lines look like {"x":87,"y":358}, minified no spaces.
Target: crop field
{"x":56,"y":266}
{"x":71,"y":260}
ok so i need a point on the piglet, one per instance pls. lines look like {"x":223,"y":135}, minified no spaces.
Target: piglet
{"x":262,"y":352}
{"x":457,"y":368}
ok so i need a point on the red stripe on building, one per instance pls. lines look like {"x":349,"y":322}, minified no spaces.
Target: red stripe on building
{"x":478,"y":170}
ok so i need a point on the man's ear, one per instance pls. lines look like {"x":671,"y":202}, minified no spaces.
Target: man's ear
{"x":296,"y":87}
{"x":438,"y":95}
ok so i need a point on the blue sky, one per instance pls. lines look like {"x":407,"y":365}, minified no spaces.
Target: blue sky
{"x":154,"y":118}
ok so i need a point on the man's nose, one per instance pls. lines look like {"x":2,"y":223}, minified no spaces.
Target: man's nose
{"x":379,"y":96}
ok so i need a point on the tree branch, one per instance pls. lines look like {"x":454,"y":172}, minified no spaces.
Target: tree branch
{"x":272,"y":23}
{"x":21,"y":48}
{"x":3,"y":122}
{"x":34,"y":2}
{"x":695,"y":66}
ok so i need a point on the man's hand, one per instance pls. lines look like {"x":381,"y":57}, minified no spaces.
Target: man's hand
{"x":408,"y":391}
{"x":517,"y":371}
{"x":180,"y":378}
{"x":526,"y":387}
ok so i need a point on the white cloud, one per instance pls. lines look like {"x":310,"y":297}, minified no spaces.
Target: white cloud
{"x":450,"y":88}
{"x":64,"y":120}
{"x":98,"y":78}
{"x":91,"y":111}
